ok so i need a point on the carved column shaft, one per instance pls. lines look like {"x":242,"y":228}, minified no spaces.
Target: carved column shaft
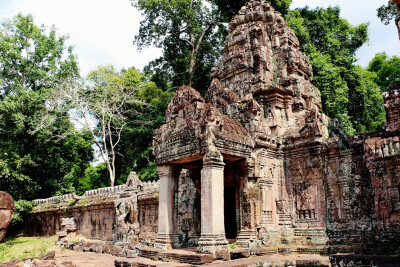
{"x":168,"y":175}
{"x":212,"y":238}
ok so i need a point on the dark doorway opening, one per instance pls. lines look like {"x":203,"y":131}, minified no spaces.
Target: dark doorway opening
{"x":230,"y":212}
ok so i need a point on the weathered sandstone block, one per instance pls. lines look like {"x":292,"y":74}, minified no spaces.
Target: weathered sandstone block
{"x":6,"y":212}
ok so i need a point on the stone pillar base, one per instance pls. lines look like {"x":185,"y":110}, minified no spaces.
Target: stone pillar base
{"x":194,"y":240}
{"x":216,"y":245}
{"x":247,"y":238}
{"x":164,"y":241}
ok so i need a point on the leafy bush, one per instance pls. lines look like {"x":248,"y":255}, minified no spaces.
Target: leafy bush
{"x":22,"y":208}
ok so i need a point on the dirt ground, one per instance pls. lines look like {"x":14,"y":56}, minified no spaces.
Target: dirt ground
{"x":89,"y":259}
{"x":84,"y":259}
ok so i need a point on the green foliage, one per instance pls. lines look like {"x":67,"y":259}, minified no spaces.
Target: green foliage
{"x":108,"y":101}
{"x":36,"y":162}
{"x":388,"y":12}
{"x":348,"y":92}
{"x":22,"y":208}
{"x":136,"y":141}
{"x":94,"y":177}
{"x":366,"y":102}
{"x":187,"y":31}
{"x":72,"y":203}
{"x":387,"y":70}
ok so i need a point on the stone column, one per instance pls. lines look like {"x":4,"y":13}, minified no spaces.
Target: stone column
{"x":213,"y":238}
{"x":168,"y":175}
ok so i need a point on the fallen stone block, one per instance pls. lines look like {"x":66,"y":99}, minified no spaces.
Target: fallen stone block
{"x":6,"y":212}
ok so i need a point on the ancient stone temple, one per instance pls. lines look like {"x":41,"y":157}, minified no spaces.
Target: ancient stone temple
{"x":254,"y":162}
{"x":262,"y":166}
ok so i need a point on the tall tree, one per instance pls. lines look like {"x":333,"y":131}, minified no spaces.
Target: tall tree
{"x":136,"y":141}
{"x":33,"y":61}
{"x":120,"y":110}
{"x":387,"y":70}
{"x":100,"y":105}
{"x":187,"y":32}
{"x":390,"y":11}
{"x":331,"y":42}
{"x":191,"y":34}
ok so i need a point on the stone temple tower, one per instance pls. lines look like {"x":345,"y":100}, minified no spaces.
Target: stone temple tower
{"x":261,"y":163}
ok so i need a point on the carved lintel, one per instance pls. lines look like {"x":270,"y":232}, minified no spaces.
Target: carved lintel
{"x":213,"y":159}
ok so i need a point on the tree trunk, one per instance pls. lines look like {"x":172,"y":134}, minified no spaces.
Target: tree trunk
{"x":192,"y":63}
{"x":111,"y":173}
{"x":397,"y":20}
{"x":398,"y":26}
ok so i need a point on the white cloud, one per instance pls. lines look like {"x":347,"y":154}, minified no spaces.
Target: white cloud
{"x":102,"y":31}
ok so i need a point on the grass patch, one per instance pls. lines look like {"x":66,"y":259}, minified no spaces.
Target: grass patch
{"x":72,"y":203}
{"x":14,"y":248}
{"x":83,"y":201}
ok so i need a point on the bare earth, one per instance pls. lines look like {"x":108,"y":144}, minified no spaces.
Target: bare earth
{"x":89,"y":259}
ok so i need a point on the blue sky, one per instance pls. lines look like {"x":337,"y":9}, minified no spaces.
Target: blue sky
{"x":102,"y":30}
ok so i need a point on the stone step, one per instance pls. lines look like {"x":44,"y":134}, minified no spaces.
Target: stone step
{"x":302,"y":250}
{"x":262,"y":251}
{"x":149,"y":253}
{"x":285,"y":219}
{"x":181,"y":256}
{"x":141,"y":262}
{"x":190,"y":258}
{"x":245,"y":237}
{"x":310,"y":232}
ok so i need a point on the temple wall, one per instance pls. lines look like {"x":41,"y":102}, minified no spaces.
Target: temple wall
{"x":383,"y":162}
{"x":93,"y":222}
{"x":126,"y":213}
{"x":148,"y":216}
{"x":349,"y":195}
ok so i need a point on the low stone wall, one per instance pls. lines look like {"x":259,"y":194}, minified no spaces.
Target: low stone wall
{"x":125,"y":213}
{"x":92,"y":220}
{"x":148,"y":216}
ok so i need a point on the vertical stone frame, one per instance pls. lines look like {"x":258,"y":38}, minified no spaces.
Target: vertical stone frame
{"x":168,"y":175}
{"x":212,"y":239}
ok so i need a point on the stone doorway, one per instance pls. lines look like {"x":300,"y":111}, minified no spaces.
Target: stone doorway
{"x":230,"y":211}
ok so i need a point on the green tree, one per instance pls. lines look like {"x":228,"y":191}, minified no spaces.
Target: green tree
{"x":101,"y":105}
{"x":136,"y":141}
{"x":331,"y":42}
{"x":191,"y":34}
{"x":387,"y":70}
{"x":186,"y":30}
{"x":389,"y":12}
{"x":94,"y":177}
{"x":37,"y":162}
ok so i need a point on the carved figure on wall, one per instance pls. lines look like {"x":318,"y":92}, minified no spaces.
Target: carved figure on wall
{"x":127,"y":225}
